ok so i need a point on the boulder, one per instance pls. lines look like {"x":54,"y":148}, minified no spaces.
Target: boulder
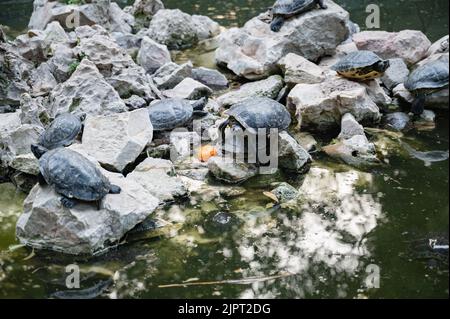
{"x":440,"y":46}
{"x":130,"y":81}
{"x":412,"y":46}
{"x":158,"y":177}
{"x":396,"y":74}
{"x":230,"y":171}
{"x":182,"y":144}
{"x":189,"y":89}
{"x":254,"y":50}
{"x":170,"y":74}
{"x":285,"y":192}
{"x":117,"y":140}
{"x":397,"y":121}
{"x":436,"y":100}
{"x":42,"y":81}
{"x":321,"y":106}
{"x":26,"y":163}
{"x":152,"y":55}
{"x":297,"y":69}
{"x":350,"y":127}
{"x":143,"y":11}
{"x":9,"y":121}
{"x":86,"y":91}
{"x":211,"y":78}
{"x":83,"y":230}
{"x":61,"y":62}
{"x":377,"y":93}
{"x":269,"y":87}
{"x":31,"y":46}
{"x":306,"y":140}
{"x":206,"y":27}
{"x":292,"y":156}
{"x":135,"y":102}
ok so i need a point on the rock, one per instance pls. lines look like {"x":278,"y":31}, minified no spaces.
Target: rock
{"x":428,"y":116}
{"x":9,"y":121}
{"x":306,"y":140}
{"x":26,"y":163}
{"x":397,"y":121}
{"x":321,"y":106}
{"x":54,"y":34}
{"x":411,"y":46}
{"x":171,"y":74}
{"x":61,"y":61}
{"x":152,"y":55}
{"x":402,"y":93}
{"x":42,"y":81}
{"x":285,"y":192}
{"x":33,"y":111}
{"x":158,"y":177}
{"x":46,"y":224}
{"x":135,"y":102}
{"x":297,"y":69}
{"x":18,"y":140}
{"x":130,"y":81}
{"x":443,"y":57}
{"x":119,"y":21}
{"x":254,"y":50}
{"x":292,"y":156}
{"x":22,"y":181}
{"x":31,"y":46}
{"x":117,"y":140}
{"x":2,"y":35}
{"x":437,"y":100}
{"x":128,"y":41}
{"x":202,"y":126}
{"x":211,"y":78}
{"x":86,"y":92}
{"x":396,"y":74}
{"x":189,"y":89}
{"x":377,"y":93}
{"x":440,"y":46}
{"x":179,"y":30}
{"x":341,"y":51}
{"x":182,"y":144}
{"x":350,"y":127}
{"x":143,"y":11}
{"x":356,"y":151}
{"x":269,"y":87}
{"x":230,"y":171}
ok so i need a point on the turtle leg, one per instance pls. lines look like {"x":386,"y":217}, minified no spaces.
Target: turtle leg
{"x":200,"y":113}
{"x":221,"y":129}
{"x":41,"y":180}
{"x":418,"y":105}
{"x":67,"y":202}
{"x":322,"y":4}
{"x":115,"y":189}
{"x":277,"y":23}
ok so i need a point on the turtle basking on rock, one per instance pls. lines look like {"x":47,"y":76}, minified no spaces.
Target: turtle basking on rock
{"x":72,"y":175}
{"x":284,"y":9}
{"x":361,"y":66}
{"x":169,"y":114}
{"x":62,"y":131}
{"x":426,"y":79}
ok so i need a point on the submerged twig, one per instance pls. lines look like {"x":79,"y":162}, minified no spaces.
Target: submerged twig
{"x":244,"y":281}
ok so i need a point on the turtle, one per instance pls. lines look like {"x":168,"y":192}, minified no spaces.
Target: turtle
{"x":220,"y":222}
{"x":426,"y":79}
{"x":361,"y":65}
{"x":72,"y":175}
{"x":283,"y":9}
{"x":62,"y":131}
{"x":171,"y":113}
{"x":253,"y":114}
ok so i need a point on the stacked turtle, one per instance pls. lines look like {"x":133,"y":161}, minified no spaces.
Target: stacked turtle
{"x":284,"y":9}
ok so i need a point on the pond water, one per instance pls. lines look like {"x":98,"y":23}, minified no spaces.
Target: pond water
{"x":308,"y":251}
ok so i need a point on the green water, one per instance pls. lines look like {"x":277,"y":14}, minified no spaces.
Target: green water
{"x":406,"y":202}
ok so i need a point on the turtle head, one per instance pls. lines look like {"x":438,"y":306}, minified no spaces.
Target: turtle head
{"x":382,"y":66}
{"x":38,"y":150}
{"x":82,"y":117}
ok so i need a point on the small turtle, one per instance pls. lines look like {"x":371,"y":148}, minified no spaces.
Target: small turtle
{"x":427,"y":79}
{"x":72,"y":175}
{"x":361,"y":65}
{"x":168,"y":114}
{"x":218,"y":223}
{"x":247,"y":117}
{"x":62,"y":131}
{"x":283,"y":9}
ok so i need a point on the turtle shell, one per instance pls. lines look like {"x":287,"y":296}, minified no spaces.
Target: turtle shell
{"x":61,"y":132}
{"x":73,"y":175}
{"x":358,"y":64}
{"x":255,"y":113}
{"x":170,"y":113}
{"x":292,"y":7}
{"x":428,"y":77}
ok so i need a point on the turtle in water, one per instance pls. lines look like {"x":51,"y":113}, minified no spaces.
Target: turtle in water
{"x":62,"y":131}
{"x":283,"y":9}
{"x":253,"y":114}
{"x":361,"y":65}
{"x":72,"y":175}
{"x":218,"y":223}
{"x":424,"y":80}
{"x":426,"y":157}
{"x":169,"y":114}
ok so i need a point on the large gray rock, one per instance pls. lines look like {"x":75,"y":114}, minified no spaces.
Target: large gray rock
{"x":178,"y":30}
{"x":170,"y":74}
{"x":440,"y":46}
{"x":396,"y":74}
{"x":117,"y":140}
{"x":46,"y":224}
{"x":42,"y":81}
{"x":211,"y":78}
{"x":61,"y":61}
{"x":412,"y":46}
{"x":229,"y":171}
{"x":158,"y":177}
{"x":86,"y":92}
{"x":254,"y":50}
{"x":350,"y":127}
{"x":130,"y":81}
{"x":189,"y":89}
{"x":377,"y":93}
{"x":292,"y":156}
{"x":397,"y":121}
{"x":143,"y":11}
{"x":152,"y":55}
{"x":297,"y":70}
{"x":436,"y":100}
{"x":269,"y":87}
{"x":321,"y":106}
